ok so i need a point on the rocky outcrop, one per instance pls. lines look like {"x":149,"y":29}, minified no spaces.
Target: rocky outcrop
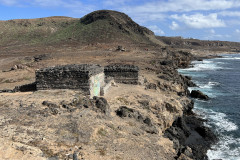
{"x":189,"y":132}
{"x":201,"y":137}
{"x":101,"y":104}
{"x":198,"y":94}
{"x":125,"y":112}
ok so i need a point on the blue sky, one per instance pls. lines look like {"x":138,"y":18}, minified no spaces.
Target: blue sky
{"x":201,"y":19}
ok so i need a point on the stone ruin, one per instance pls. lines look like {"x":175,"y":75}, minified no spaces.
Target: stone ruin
{"x":127,"y":74}
{"x":93,"y":79}
{"x":87,"y":77}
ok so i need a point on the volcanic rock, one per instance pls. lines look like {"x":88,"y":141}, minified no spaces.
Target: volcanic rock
{"x":198,"y":94}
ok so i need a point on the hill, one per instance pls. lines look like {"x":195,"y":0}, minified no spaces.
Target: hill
{"x":102,"y":26}
{"x":106,"y":26}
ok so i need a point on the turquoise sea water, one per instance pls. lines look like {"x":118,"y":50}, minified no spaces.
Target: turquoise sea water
{"x":219,"y":78}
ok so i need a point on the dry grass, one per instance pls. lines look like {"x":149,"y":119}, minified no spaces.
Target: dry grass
{"x":102,"y":151}
{"x":123,"y":100}
{"x":102,"y":132}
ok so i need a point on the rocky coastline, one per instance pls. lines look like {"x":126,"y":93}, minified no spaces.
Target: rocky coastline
{"x":190,"y":136}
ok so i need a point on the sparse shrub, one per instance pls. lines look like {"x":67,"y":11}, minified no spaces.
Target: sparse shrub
{"x":123,"y":100}
{"x":102,"y":132}
{"x":102,"y":151}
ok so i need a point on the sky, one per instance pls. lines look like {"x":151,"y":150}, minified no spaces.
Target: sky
{"x":200,"y":19}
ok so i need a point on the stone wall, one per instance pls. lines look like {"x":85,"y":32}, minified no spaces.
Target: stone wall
{"x":96,"y":82}
{"x":121,"y":73}
{"x":87,"y":77}
{"x":108,"y":83}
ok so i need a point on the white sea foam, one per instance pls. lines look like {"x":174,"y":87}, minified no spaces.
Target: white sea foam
{"x":206,"y":88}
{"x":219,"y":120}
{"x":231,"y":58}
{"x":206,"y":61}
{"x":223,"y":150}
{"x":209,"y":85}
{"x":203,"y":66}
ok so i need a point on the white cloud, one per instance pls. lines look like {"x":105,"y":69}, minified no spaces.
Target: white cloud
{"x":230,"y":13}
{"x":156,"y":30}
{"x":213,"y":35}
{"x":57,"y":3}
{"x":44,"y":3}
{"x":146,"y":17}
{"x":199,"y":21}
{"x":174,"y":26}
{"x":114,"y":2}
{"x":9,"y":2}
{"x":217,"y":36}
{"x":48,"y":3}
{"x":212,"y":31}
{"x":237,"y":31}
{"x":184,"y":6}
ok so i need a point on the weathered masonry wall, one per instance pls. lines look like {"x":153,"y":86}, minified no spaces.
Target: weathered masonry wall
{"x":127,"y":74}
{"x":96,"y":83}
{"x":87,"y":77}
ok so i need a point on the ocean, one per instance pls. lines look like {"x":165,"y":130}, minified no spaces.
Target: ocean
{"x":219,"y":78}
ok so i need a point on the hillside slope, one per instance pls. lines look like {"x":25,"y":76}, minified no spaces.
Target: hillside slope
{"x":106,"y":26}
{"x":102,"y":26}
{"x":31,"y":31}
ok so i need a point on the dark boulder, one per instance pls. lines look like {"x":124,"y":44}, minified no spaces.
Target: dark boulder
{"x":50,"y":104}
{"x":206,"y":133}
{"x":120,"y":48}
{"x":102,"y":104}
{"x":124,"y":111}
{"x":188,"y":106}
{"x":166,"y":62}
{"x":198,"y":94}
{"x":41,"y":57}
{"x":53,"y":108}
